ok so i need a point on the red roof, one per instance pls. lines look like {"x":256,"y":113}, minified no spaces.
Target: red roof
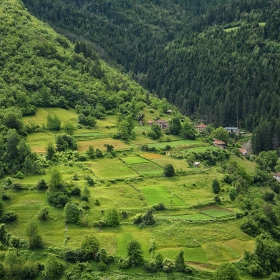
{"x":243,"y":151}
{"x":219,"y":142}
{"x":201,"y":126}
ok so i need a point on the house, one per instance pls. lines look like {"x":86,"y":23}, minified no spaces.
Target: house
{"x":277,"y":176}
{"x":201,"y":127}
{"x":169,"y":112}
{"x":161,"y":123}
{"x":196,"y":164}
{"x":232,"y":129}
{"x":243,"y":151}
{"x":219,"y":144}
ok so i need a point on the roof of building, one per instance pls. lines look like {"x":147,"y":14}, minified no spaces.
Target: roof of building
{"x":243,"y":151}
{"x":219,"y":142}
{"x":202,"y":125}
{"x":231,"y":128}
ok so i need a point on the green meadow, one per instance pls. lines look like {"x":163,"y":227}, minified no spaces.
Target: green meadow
{"x":131,"y":182}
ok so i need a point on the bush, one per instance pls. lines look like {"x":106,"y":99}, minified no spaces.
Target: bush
{"x":169,"y":170}
{"x":167,"y":265}
{"x":57,"y":198}
{"x":71,"y":212}
{"x":123,"y":263}
{"x":159,"y":207}
{"x":43,"y":214}
{"x":41,"y":185}
{"x":9,"y":217}
{"x":216,"y":186}
{"x":151,"y":265}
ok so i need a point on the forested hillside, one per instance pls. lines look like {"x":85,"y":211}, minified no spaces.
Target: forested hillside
{"x":216,"y":60}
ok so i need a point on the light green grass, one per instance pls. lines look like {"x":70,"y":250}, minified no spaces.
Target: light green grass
{"x":194,"y":217}
{"x":64,"y":115}
{"x":231,"y":29}
{"x":201,"y":149}
{"x":156,"y":194}
{"x":176,"y":143}
{"x":134,"y":160}
{"x":148,"y":169}
{"x":109,"y":168}
{"x":190,"y":254}
{"x":217,"y":213}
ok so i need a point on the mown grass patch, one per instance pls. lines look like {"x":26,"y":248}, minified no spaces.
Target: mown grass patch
{"x":99,"y":143}
{"x":193,"y":217}
{"x":89,"y":135}
{"x":38,"y":141}
{"x":218,"y":213}
{"x":156,"y":194}
{"x":134,"y":160}
{"x":201,"y":149}
{"x":178,"y":164}
{"x":108,"y":168}
{"x":220,"y":252}
{"x":148,"y":169}
{"x":190,"y":254}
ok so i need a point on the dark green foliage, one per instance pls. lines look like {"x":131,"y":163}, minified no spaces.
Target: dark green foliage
{"x":155,"y":132}
{"x":65,"y":142}
{"x":188,"y":131}
{"x":8,"y":217}
{"x":41,"y":185}
{"x":69,"y":128}
{"x":216,"y":186}
{"x":148,"y":218}
{"x":98,"y":153}
{"x":269,"y":196}
{"x":159,"y":207}
{"x":71,"y":212}
{"x":180,"y":262}
{"x":227,"y":271}
{"x":175,"y":126}
{"x":53,"y":122}
{"x":267,"y":160}
{"x":53,"y":269}
{"x":35,"y":240}
{"x":111,"y":218}
{"x":90,"y":247}
{"x":57,"y":198}
{"x":169,"y":170}
{"x":43,"y":214}
{"x":135,"y":253}
{"x":86,"y":120}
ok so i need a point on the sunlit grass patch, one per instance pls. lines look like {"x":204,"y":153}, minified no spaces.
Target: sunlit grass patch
{"x":217,"y":213}
{"x":176,"y":143}
{"x":192,"y":217}
{"x":149,"y":169}
{"x":134,"y":160}
{"x":108,"y":168}
{"x":156,"y":194}
{"x":151,"y":155}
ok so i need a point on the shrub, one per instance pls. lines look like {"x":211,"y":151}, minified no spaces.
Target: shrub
{"x":159,"y":207}
{"x":123,"y":263}
{"x":167,"y":265}
{"x":137,"y":219}
{"x":41,"y":185}
{"x":216,"y":186}
{"x":151,"y":265}
{"x":43,"y":214}
{"x":57,"y":198}
{"x":85,"y":205}
{"x":169,"y":170}
{"x":112,"y":218}
{"x":9,"y":217}
{"x":71,"y":212}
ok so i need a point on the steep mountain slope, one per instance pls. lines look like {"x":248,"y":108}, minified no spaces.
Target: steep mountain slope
{"x":216,"y":60}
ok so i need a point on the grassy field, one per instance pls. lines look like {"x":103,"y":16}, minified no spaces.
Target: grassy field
{"x":133,"y":182}
{"x":157,"y":194}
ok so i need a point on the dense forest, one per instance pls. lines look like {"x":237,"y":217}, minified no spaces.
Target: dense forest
{"x":218,"y":61}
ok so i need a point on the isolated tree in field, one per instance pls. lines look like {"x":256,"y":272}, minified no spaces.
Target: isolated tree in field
{"x":71,"y":212}
{"x":112,"y":218}
{"x":168,"y":170}
{"x":90,"y":246}
{"x":35,"y":240}
{"x":135,"y":253}
{"x":216,"y":186}
{"x":227,"y":271}
{"x":69,"y":128}
{"x":180,"y":262}
{"x":53,"y":122}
